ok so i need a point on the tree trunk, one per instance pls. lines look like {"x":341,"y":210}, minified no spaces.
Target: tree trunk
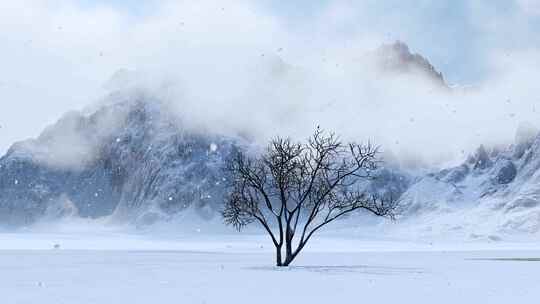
{"x":288,"y":251}
{"x":289,"y":254}
{"x":289,"y":235}
{"x":288,"y":260}
{"x":278,"y":256}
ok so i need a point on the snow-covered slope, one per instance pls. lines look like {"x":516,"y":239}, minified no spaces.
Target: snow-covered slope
{"x":494,"y":190}
{"x":130,"y":159}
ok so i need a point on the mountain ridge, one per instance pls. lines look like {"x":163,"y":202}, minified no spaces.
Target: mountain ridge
{"x":132,"y":159}
{"x":144,"y":169}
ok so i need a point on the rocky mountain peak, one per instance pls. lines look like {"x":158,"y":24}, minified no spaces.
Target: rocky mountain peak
{"x":130,"y":160}
{"x":397,"y":58}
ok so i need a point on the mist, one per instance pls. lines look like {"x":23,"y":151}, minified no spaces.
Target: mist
{"x":261,"y":69}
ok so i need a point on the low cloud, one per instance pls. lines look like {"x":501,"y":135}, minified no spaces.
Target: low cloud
{"x":247,"y":67}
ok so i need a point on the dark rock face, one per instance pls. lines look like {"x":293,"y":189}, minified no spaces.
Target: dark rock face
{"x":458,"y":174}
{"x":144,"y":168}
{"x":389,"y":183}
{"x":506,"y":173}
{"x":28,"y":188}
{"x":481,"y":159}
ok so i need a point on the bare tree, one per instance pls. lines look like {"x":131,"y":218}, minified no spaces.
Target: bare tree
{"x":294,"y":189}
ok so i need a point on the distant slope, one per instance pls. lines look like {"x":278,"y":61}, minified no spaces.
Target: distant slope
{"x":495,"y":190}
{"x":133,"y":161}
{"x":130,"y":159}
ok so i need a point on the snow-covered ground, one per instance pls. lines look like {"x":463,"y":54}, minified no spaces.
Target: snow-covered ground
{"x":122,"y":267}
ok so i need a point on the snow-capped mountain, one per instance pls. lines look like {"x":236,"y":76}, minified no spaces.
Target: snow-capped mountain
{"x":130,"y":159}
{"x":495,"y":189}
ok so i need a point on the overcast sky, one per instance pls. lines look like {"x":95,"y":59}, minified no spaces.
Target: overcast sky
{"x":56,"y":55}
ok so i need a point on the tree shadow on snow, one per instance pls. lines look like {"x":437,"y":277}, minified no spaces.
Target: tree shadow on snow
{"x":506,"y":259}
{"x":339,"y":269}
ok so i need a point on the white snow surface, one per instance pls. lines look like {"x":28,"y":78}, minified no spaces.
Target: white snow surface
{"x":118,"y":265}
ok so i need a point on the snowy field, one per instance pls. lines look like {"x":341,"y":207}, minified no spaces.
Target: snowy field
{"x":234,"y":268}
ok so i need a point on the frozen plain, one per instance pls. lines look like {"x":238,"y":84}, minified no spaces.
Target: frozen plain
{"x":122,"y":267}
